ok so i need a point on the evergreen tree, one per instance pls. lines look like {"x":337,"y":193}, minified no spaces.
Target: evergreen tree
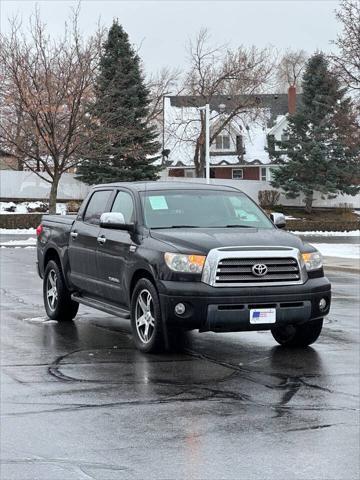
{"x":121,"y":144}
{"x":322,"y":147}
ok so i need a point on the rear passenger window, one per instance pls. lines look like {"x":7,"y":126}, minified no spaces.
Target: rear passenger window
{"x":124,"y":204}
{"x":96,"y":206}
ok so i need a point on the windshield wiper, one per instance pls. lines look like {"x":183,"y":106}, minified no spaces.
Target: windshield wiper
{"x":202,"y":226}
{"x":175,"y":226}
{"x":239,"y":226}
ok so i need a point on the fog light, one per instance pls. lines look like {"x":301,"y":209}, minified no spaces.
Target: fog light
{"x":322,"y":304}
{"x":180,"y":309}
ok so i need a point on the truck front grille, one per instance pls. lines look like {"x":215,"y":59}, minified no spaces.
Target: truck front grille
{"x":240,"y":271}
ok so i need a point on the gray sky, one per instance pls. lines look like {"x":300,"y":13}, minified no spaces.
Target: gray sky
{"x":163,"y":28}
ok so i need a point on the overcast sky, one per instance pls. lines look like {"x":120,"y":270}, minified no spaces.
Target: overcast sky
{"x":163,"y":28}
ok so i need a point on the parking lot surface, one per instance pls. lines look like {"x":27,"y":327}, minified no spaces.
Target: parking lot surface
{"x":79,"y":402}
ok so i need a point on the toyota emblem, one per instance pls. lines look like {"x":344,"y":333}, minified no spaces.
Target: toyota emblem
{"x":259,"y":269}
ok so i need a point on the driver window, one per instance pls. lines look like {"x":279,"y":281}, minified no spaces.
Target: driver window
{"x":124,"y":204}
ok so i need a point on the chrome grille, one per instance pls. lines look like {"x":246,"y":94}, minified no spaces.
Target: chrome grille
{"x":236,"y":271}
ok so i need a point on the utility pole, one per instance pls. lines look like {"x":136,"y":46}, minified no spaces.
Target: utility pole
{"x":206,"y":108}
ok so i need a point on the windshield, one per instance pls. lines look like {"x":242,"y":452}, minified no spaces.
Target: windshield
{"x":204,"y":208}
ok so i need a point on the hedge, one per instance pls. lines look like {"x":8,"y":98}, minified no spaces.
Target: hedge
{"x":20,"y":220}
{"x":32,"y":220}
{"x":321,"y":226}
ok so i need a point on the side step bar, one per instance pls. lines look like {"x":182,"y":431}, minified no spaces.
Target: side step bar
{"x":99,"y":305}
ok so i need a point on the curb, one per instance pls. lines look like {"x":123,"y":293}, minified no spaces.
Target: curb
{"x":335,"y":268}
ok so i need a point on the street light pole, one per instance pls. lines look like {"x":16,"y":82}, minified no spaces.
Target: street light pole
{"x":207,"y":143}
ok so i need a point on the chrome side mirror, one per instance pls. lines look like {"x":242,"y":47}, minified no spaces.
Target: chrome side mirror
{"x":278,"y":219}
{"x":114,"y":220}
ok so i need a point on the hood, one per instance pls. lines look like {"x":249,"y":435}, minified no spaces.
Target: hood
{"x":201,"y":240}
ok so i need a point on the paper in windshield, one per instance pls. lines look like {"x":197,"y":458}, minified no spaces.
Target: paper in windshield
{"x":158,"y":202}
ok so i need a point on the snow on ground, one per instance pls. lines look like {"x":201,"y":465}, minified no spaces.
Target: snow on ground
{"x":342,"y":250}
{"x":14,"y":243}
{"x":24,"y":207}
{"x":17,"y":231}
{"x":352,"y":233}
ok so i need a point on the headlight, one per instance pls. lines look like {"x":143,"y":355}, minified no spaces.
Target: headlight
{"x":185,"y":263}
{"x":312,"y":260}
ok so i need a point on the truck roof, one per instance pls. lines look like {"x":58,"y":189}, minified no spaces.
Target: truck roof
{"x":163,"y":185}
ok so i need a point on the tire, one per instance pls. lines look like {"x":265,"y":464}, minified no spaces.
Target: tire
{"x":146,"y":319}
{"x":58,"y":303}
{"x":298,"y":335}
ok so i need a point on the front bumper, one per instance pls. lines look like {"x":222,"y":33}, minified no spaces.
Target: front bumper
{"x":228,"y":309}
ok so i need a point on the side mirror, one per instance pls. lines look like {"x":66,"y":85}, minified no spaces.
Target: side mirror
{"x":114,"y":220}
{"x":278,"y":219}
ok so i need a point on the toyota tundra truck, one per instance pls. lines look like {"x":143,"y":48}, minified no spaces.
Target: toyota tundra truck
{"x":172,"y":256}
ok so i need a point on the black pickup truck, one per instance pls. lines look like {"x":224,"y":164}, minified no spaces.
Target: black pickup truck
{"x":174,"y":256}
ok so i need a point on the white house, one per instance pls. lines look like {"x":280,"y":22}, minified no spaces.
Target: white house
{"x":239,"y":151}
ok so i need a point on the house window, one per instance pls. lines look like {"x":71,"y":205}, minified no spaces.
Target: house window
{"x":223,"y":142}
{"x":237,"y":174}
{"x":189,"y":173}
{"x":263,"y":174}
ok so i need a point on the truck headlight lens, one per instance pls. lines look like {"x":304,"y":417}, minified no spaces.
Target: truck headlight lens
{"x":312,"y":260}
{"x":185,"y":263}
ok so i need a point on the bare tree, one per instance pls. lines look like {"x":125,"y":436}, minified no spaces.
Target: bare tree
{"x":347,"y":61}
{"x":43,"y":97}
{"x":163,"y":83}
{"x":238,"y":74}
{"x":290,"y":69}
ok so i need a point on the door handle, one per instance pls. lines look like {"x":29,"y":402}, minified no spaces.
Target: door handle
{"x":74,"y":234}
{"x":101,"y":240}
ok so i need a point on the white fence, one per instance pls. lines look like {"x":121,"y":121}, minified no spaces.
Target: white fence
{"x":252,"y":188}
{"x":27,"y":185}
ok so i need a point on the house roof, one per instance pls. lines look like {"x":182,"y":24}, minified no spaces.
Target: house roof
{"x":276,"y":103}
{"x":261,"y":113}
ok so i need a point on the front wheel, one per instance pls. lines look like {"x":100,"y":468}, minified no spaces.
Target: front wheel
{"x":57,"y":298}
{"x":298,"y":335}
{"x":146,"y":320}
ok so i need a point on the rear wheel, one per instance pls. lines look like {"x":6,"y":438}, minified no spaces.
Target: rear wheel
{"x":298,"y":335}
{"x":57,"y":298}
{"x":146,"y":320}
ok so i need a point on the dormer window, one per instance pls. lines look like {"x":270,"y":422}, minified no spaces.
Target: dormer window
{"x":223,"y":142}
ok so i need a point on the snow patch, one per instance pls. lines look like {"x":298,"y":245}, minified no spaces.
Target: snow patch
{"x":352,"y":233}
{"x":341,"y":250}
{"x":14,"y":243}
{"x":17,"y":231}
{"x":39,"y":320}
{"x":28,"y":207}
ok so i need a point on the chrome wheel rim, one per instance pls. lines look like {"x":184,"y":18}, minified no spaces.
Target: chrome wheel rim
{"x":51,"y":290}
{"x":144,"y":316}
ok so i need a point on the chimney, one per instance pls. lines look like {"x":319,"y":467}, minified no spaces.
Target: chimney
{"x":292,"y":99}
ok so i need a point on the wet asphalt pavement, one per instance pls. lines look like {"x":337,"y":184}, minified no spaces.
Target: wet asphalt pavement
{"x":79,"y":402}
